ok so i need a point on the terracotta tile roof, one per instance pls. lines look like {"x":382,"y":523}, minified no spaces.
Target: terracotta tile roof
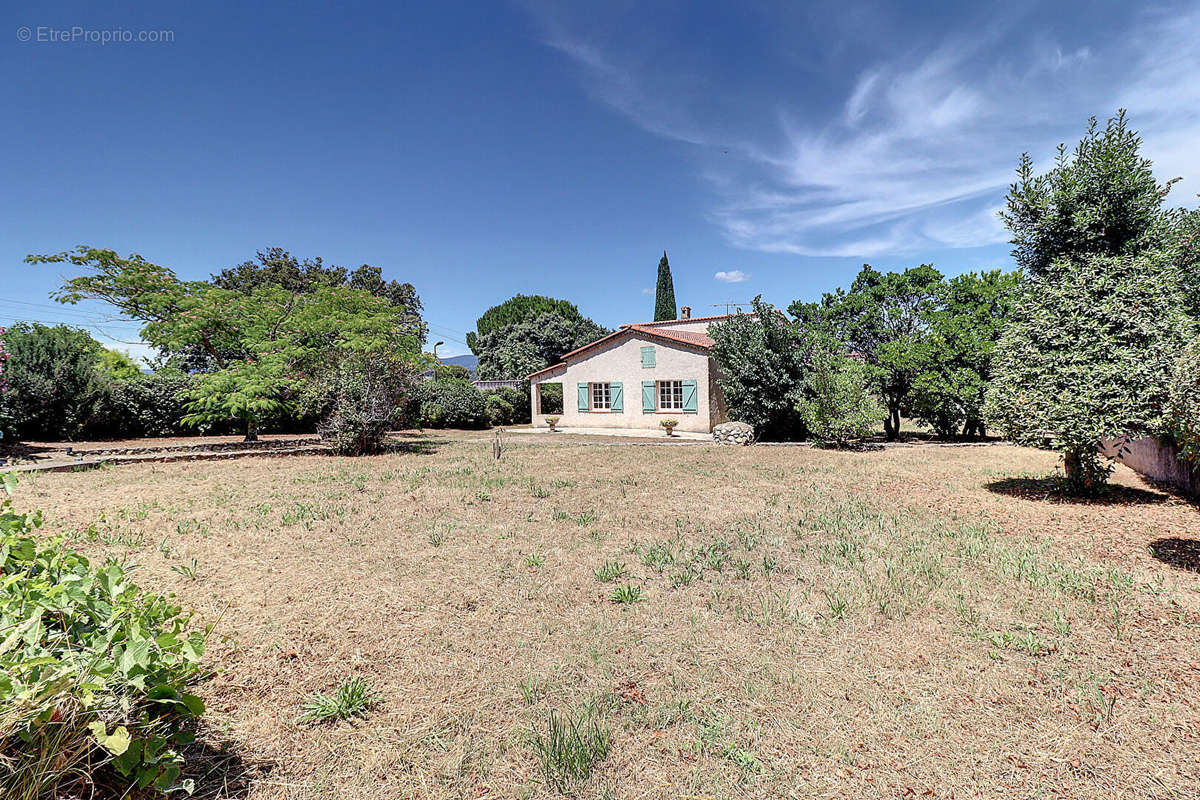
{"x":677,"y":321}
{"x":690,"y":338}
{"x":684,"y":337}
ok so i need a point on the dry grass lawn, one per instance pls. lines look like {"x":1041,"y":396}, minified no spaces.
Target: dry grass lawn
{"x":916,"y":622}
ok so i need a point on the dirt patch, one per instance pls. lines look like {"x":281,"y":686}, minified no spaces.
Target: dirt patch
{"x":805,"y":622}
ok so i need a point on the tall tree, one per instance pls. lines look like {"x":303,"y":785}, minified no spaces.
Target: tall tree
{"x":1100,"y":317}
{"x":517,"y":309}
{"x":762,"y":360}
{"x":881,"y":319}
{"x":265,"y":343}
{"x":278,"y":267}
{"x":955,"y":354}
{"x":512,"y":352}
{"x":664,"y":293}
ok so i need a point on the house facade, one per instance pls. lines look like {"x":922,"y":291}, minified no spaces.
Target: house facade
{"x":637,"y":376}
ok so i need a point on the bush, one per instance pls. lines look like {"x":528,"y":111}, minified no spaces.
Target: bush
{"x":360,"y":401}
{"x":507,"y":406}
{"x":145,"y":405}
{"x":93,"y":673}
{"x":838,"y":408}
{"x":499,"y":411}
{"x":448,"y":404}
{"x":1185,"y":404}
{"x":53,"y":382}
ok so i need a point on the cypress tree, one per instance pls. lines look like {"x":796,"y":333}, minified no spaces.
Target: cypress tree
{"x":664,"y":296}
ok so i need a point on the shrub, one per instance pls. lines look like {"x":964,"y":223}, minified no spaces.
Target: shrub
{"x":145,"y":405}
{"x":499,"y":411}
{"x":1185,"y":404}
{"x":448,"y":404}
{"x":93,"y":673}
{"x":52,"y":381}
{"x":360,"y":402}
{"x":838,"y":408}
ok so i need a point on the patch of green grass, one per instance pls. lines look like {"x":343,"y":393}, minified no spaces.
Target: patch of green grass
{"x":534,"y":560}
{"x":353,"y":698}
{"x":569,"y":749}
{"x":611,"y":571}
{"x":626,"y":594}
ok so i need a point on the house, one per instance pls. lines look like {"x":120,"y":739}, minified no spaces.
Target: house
{"x":637,"y":376}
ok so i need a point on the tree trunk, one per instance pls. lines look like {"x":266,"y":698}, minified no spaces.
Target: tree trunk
{"x":891,"y":426}
{"x":251,"y":431}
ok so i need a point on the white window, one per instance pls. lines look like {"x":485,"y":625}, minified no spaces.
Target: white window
{"x":601,"y":396}
{"x":670,"y":395}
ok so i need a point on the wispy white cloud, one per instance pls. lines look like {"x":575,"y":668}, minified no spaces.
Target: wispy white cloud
{"x":647,"y":290}
{"x":731,"y":276}
{"x":918,"y":152}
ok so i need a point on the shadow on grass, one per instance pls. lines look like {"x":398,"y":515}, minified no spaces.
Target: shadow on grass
{"x":219,"y":768}
{"x":1179,"y":553}
{"x":1050,"y":490}
{"x":415,"y":443}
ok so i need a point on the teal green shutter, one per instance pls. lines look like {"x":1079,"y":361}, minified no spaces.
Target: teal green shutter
{"x":648,"y":357}
{"x":689,"y":396}
{"x":648,"y":404}
{"x":584,"y":405}
{"x":616,"y":396}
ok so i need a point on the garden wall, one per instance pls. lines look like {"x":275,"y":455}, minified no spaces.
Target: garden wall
{"x":1156,"y":460}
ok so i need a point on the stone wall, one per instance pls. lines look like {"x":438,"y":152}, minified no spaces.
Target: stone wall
{"x":1156,"y":460}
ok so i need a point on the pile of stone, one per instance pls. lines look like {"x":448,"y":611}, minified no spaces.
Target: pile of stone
{"x":733,"y":433}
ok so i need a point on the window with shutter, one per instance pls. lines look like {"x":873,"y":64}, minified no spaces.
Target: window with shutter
{"x":584,"y":399}
{"x":689,"y":396}
{"x":648,"y":357}
{"x":617,"y":397}
{"x":648,"y":398}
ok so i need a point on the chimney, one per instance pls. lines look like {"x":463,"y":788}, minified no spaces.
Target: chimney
{"x":685,"y":312}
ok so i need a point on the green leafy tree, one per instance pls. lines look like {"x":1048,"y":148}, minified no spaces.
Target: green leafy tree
{"x":837,"y":406}
{"x":265,"y":343}
{"x":117,"y":365}
{"x":1100,"y":365}
{"x":882,"y":319}
{"x":278,"y":267}
{"x":955,"y":352}
{"x":1102,"y":199}
{"x":664,"y":293}
{"x":512,"y":352}
{"x":518,"y":309}
{"x":52,"y":380}
{"x":762,"y":372}
{"x":1087,"y":356}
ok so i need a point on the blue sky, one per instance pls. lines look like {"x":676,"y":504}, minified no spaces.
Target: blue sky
{"x":484,"y":149}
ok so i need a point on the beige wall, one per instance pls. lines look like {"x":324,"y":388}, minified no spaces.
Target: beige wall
{"x":622,"y":361}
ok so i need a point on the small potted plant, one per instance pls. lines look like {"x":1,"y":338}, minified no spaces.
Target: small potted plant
{"x":669,"y":424}
{"x":552,"y":421}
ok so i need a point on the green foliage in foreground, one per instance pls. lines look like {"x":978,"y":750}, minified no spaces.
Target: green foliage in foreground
{"x":838,"y":407}
{"x":93,"y":672}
